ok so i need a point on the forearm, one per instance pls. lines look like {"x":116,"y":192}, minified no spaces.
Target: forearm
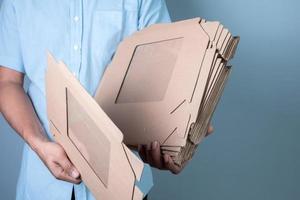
{"x":17,"y":109}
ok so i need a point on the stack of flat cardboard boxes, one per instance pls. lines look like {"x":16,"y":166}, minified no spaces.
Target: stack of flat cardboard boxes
{"x":164,"y":83}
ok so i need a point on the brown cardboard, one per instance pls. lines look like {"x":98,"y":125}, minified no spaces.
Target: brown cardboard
{"x":164,"y":83}
{"x":91,"y":140}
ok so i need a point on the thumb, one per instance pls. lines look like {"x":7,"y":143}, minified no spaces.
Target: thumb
{"x":69,"y":168}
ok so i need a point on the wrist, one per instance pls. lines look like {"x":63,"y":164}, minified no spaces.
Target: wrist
{"x":36,"y":139}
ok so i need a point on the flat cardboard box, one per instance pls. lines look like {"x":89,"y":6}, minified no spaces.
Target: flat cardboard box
{"x":91,"y":140}
{"x":164,"y":83}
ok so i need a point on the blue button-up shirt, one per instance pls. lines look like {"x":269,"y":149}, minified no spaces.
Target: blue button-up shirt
{"x":82,"y":33}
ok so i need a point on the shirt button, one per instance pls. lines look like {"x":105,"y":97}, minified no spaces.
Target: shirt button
{"x":76,"y":18}
{"x":74,"y":74}
{"x":76,"y":47}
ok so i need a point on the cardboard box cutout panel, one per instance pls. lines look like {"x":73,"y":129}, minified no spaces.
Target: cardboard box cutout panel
{"x":164,"y":83}
{"x":91,"y":140}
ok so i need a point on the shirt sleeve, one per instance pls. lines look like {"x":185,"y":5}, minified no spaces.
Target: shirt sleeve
{"x":10,"y":48}
{"x":153,"y":12}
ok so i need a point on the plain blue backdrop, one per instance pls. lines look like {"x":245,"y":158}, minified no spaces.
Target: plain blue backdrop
{"x":254,"y":153}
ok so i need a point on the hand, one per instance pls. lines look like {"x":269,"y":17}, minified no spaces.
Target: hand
{"x":57,"y":161}
{"x":151,"y":154}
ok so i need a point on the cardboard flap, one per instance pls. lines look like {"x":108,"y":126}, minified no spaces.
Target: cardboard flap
{"x":136,"y":164}
{"x":137,"y":195}
{"x":211,"y":29}
{"x":55,"y":98}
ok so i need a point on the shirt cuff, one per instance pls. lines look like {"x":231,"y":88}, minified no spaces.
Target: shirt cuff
{"x":11,"y":63}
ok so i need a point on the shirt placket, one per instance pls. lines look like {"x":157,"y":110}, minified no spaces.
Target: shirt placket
{"x":76,"y":18}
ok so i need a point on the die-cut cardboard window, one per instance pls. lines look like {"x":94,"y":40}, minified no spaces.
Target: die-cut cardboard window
{"x":142,"y":74}
{"x":81,"y":129}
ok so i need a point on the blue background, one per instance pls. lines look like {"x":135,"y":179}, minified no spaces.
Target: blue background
{"x":254,"y":152}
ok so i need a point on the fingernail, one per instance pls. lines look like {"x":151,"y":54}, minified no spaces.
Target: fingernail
{"x":154,"y":145}
{"x":75,"y":173}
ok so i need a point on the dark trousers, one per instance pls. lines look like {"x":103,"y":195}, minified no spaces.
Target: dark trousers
{"x":73,"y":196}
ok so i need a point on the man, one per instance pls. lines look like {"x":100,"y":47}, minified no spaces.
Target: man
{"x":84,"y":34}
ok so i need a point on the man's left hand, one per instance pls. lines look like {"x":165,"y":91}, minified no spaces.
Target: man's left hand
{"x":151,"y":154}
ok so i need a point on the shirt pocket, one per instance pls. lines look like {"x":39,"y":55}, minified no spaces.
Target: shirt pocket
{"x":107,"y":30}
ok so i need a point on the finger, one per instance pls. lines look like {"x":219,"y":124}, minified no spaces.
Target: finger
{"x":170,"y":165}
{"x":142,"y":153}
{"x":69,"y":169}
{"x":146,"y":156}
{"x":59,"y":173}
{"x":149,"y":154}
{"x":210,"y":130}
{"x":156,"y":155}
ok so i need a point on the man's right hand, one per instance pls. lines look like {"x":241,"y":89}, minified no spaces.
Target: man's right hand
{"x":18,"y":110}
{"x":57,"y":161}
